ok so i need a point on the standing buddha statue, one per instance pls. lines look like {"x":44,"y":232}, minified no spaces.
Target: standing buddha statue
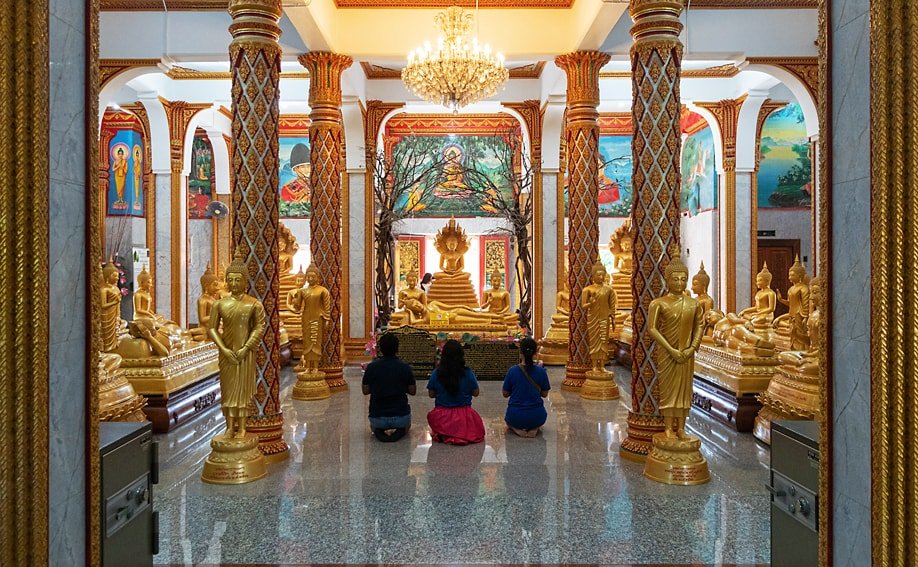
{"x":110,"y":308}
{"x":700,"y":283}
{"x":598,"y":300}
{"x":792,"y":326}
{"x":210,"y":292}
{"x":313,"y":304}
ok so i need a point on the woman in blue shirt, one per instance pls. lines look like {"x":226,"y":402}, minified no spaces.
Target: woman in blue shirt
{"x":526,"y":384}
{"x":453,"y":385}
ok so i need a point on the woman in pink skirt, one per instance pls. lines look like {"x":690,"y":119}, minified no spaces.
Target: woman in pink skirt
{"x":453,"y":385}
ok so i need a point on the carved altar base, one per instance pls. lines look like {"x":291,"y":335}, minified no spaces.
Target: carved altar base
{"x":727,"y":382}
{"x":234,"y":461}
{"x":310,"y":386}
{"x":117,"y":399}
{"x":790,"y":395}
{"x":453,"y":290}
{"x":179,"y":386}
{"x":599,"y":385}
{"x":676,"y":461}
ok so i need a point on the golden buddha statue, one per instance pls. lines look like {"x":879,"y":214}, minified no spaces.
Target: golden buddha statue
{"x":211,"y":288}
{"x":110,"y":307}
{"x":620,"y":245}
{"x":497,"y":300}
{"x":143,"y":309}
{"x":146,"y":340}
{"x":452,"y":286}
{"x":598,"y":301}
{"x":793,"y":392}
{"x":700,"y":283}
{"x":792,"y":326}
{"x":674,"y":321}
{"x":553,"y":348}
{"x":761,"y":314}
{"x":412,"y":302}
{"x":286,"y":247}
{"x":237,"y":324}
{"x":313,"y":304}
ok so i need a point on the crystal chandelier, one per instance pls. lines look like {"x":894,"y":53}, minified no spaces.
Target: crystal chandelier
{"x":457,"y":72}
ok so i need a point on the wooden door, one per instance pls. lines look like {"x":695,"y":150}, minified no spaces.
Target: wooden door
{"x":779,"y":253}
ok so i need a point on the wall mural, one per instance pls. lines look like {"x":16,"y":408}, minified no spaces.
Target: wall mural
{"x":785,"y":171}
{"x":201,"y":181}
{"x":294,"y":178}
{"x":454,"y":194}
{"x":615,"y":178}
{"x":699,"y":180}
{"x":125,"y":192}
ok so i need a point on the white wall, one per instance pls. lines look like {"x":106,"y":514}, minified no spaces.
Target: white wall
{"x":699,"y":235}
{"x":200,"y":253}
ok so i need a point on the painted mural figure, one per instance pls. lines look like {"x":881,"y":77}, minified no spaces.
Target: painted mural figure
{"x":138,"y":173}
{"x":120,"y":169}
{"x":608,"y":188}
{"x":298,"y":190}
{"x":452,"y":185}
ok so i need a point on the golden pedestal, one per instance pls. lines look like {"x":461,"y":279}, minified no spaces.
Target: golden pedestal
{"x":164,"y":375}
{"x":599,"y":386}
{"x":117,"y":399}
{"x":453,"y":291}
{"x":790,"y":395}
{"x":310,"y":386}
{"x":621,"y":284}
{"x":574,"y":377}
{"x":676,"y":461}
{"x":553,"y":348}
{"x":234,"y":461}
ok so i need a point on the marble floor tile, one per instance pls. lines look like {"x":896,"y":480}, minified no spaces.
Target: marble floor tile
{"x":563,"y":497}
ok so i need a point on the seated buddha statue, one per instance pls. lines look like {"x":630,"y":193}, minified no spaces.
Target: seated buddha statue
{"x":700,"y":283}
{"x":620,"y":245}
{"x":286,"y":248}
{"x":554,"y":345}
{"x":762,"y":312}
{"x":143,"y":309}
{"x":452,"y":286}
{"x":497,"y":300}
{"x":412,"y":304}
{"x":806,"y":362}
{"x":210,"y":292}
{"x":793,"y":324}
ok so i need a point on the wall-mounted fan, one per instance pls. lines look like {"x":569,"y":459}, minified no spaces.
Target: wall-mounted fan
{"x":217,"y":210}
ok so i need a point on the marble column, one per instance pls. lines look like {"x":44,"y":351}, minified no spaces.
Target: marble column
{"x":656,"y":69}
{"x":581,"y":135}
{"x":326,"y":136}
{"x":255,"y":66}
{"x":162,"y":259}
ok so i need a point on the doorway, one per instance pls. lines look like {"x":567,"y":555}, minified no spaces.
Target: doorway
{"x":779,"y":254}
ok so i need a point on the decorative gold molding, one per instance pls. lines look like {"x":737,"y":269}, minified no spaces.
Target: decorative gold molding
{"x":804,"y":68}
{"x":893,"y":273}
{"x":719,"y":72}
{"x":24,"y":269}
{"x":94,"y":275}
{"x":754,"y":4}
{"x":447,"y":3}
{"x":157,"y":5}
{"x":177,"y":73}
{"x":375,"y":72}
{"x":111,"y":68}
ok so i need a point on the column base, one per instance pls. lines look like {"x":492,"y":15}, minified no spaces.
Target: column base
{"x":676,"y":461}
{"x":270,"y":432}
{"x":310,"y":385}
{"x":334,"y":377}
{"x":574,"y":377}
{"x":234,"y":460}
{"x":639,"y":442}
{"x":599,"y":385}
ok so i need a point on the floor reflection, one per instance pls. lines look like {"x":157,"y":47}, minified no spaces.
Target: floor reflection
{"x":563,"y":497}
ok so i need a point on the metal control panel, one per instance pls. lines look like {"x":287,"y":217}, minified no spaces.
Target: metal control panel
{"x":797,"y":501}
{"x":794,"y":490}
{"x":121,"y":507}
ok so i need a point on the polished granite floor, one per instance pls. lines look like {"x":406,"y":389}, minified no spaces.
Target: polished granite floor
{"x":563,"y":497}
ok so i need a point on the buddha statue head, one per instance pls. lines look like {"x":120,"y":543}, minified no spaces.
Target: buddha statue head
{"x":236,"y":276}
{"x":300,"y":277}
{"x":763,"y":278}
{"x":815,"y":294}
{"x":144,"y":280}
{"x":411,"y":279}
{"x":598,"y":274}
{"x":313,"y":276}
{"x":451,"y":238}
{"x":701,"y":281}
{"x":676,"y":276}
{"x":797,"y":272}
{"x":110,"y":273}
{"x":496,"y":279}
{"x":210,"y":284}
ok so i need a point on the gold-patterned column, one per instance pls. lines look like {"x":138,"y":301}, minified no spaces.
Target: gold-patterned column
{"x":255,"y":66}
{"x":893,"y":275}
{"x":24,"y":269}
{"x":727,"y":113}
{"x":581,"y":140}
{"x":326,"y":137}
{"x":656,"y":59}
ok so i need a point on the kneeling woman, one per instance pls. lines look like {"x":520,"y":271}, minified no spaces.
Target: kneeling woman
{"x":526,"y":384}
{"x":453,"y":385}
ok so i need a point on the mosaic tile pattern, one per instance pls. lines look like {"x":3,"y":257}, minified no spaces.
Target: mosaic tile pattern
{"x":564,"y":497}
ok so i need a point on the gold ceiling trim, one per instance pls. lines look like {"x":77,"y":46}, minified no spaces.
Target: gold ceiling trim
{"x":110,"y":68}
{"x":375,"y":72}
{"x":557,"y":4}
{"x":753,"y":4}
{"x":177,"y":73}
{"x":157,"y":5}
{"x":720,"y":72}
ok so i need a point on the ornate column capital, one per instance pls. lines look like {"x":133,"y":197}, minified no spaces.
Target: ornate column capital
{"x":727,"y":114}
{"x":325,"y":70}
{"x":656,"y":22}
{"x":254,"y":24}
{"x":582,"y":70}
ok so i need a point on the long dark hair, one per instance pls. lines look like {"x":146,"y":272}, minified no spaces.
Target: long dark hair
{"x":528,"y":348}
{"x":452,"y":366}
